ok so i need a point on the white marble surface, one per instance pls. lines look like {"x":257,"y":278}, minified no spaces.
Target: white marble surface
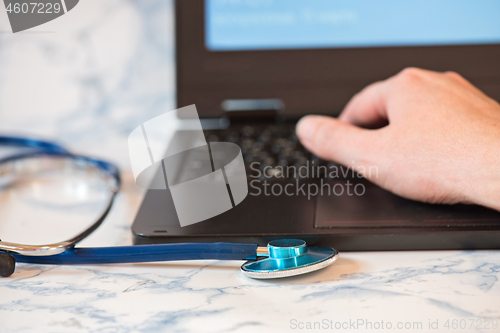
{"x":89,"y":78}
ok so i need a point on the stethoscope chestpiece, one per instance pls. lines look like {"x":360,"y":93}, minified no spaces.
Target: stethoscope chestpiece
{"x":289,"y":257}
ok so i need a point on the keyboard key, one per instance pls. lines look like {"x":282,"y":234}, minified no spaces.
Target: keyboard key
{"x":273,"y":146}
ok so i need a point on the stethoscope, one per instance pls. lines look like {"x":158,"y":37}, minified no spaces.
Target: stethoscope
{"x":281,"y":257}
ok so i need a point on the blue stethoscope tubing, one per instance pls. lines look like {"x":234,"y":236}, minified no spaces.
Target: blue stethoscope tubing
{"x":285,"y":257}
{"x":147,"y":253}
{"x":42,"y":147}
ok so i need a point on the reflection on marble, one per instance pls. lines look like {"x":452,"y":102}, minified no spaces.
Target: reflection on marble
{"x":89,"y":78}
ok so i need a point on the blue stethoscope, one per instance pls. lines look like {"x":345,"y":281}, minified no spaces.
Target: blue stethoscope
{"x":281,"y":257}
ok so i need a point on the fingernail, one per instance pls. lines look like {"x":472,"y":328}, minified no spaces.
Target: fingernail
{"x":306,"y":127}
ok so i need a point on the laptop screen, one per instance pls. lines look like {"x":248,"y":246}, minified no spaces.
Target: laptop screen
{"x":238,"y":25}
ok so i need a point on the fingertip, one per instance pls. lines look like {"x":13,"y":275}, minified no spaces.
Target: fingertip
{"x":335,"y":140}
{"x":306,"y":127}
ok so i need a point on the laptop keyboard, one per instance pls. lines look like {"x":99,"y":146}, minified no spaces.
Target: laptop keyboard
{"x":273,"y":149}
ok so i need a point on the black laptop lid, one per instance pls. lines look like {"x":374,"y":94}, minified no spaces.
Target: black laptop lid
{"x":312,"y":56}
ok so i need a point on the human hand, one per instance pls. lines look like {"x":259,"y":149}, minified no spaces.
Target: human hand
{"x":433,"y":137}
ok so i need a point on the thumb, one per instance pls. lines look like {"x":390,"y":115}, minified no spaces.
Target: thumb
{"x":335,"y":140}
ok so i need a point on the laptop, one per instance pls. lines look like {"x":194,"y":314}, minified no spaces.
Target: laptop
{"x":254,"y":67}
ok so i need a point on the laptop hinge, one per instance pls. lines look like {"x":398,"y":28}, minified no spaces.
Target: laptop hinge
{"x":253,"y":110}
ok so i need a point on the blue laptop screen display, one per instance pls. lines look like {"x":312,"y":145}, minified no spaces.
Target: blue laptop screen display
{"x":295,"y":24}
